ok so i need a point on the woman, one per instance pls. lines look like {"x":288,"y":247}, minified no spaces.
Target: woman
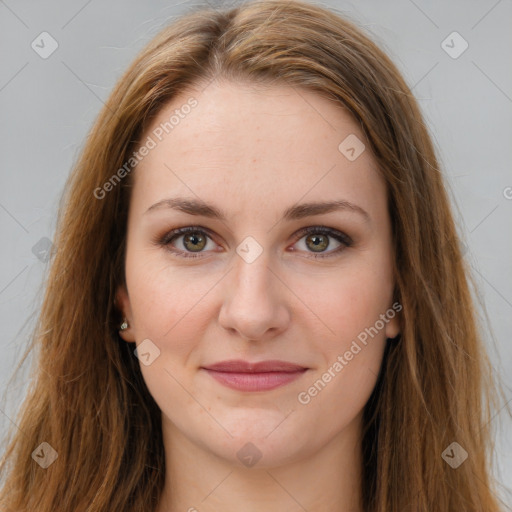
{"x":257,"y":299}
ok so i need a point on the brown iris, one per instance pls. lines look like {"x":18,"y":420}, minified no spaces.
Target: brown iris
{"x":197,"y":241}
{"x":318,"y":244}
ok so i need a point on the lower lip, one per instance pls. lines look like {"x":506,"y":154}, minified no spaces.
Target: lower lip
{"x":255,"y":381}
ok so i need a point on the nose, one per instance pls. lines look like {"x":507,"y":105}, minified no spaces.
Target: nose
{"x":254,"y":300}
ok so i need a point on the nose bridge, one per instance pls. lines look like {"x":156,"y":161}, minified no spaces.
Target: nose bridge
{"x":251,"y":303}
{"x":252,"y":278}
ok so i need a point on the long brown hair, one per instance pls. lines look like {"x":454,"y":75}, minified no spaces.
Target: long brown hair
{"x":88,"y":399}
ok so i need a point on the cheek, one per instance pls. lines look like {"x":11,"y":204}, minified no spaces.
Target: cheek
{"x":347,"y":301}
{"x":164,"y":297}
{"x":351,"y":345}
{"x":170,"y":309}
{"x":351,"y":341}
{"x":336,"y":398}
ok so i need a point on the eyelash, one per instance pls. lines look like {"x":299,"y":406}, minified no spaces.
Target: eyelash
{"x":322,"y":230}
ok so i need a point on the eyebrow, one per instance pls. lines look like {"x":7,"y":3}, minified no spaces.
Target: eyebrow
{"x":201,"y":208}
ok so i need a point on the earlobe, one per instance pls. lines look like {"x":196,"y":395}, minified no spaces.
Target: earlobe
{"x":127,"y":336}
{"x":122,"y":303}
{"x":392,"y":329}
{"x":393,"y":325}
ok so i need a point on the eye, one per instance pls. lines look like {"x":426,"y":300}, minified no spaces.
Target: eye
{"x":194,"y":240}
{"x":317,"y":239}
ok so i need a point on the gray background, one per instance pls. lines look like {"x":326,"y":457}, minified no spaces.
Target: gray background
{"x":48,"y":105}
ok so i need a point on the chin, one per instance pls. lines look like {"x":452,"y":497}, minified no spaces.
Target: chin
{"x":256,"y":448}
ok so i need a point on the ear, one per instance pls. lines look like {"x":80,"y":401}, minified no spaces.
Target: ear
{"x":123,"y":304}
{"x":393,"y":325}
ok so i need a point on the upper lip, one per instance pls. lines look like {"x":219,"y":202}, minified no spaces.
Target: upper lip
{"x":240,"y":366}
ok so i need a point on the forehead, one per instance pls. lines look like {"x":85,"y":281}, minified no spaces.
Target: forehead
{"x":256,"y":147}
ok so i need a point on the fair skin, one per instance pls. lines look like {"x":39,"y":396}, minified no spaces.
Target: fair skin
{"x":253,"y":152}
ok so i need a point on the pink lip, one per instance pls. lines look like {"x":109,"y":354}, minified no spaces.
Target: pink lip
{"x":261,"y":376}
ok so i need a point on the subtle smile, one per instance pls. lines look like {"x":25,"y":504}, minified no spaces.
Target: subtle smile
{"x":261,"y":376}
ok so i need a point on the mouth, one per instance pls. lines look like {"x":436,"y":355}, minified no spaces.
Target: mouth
{"x":260,"y":376}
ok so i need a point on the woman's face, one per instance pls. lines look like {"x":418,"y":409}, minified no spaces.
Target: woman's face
{"x":253,"y":285}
